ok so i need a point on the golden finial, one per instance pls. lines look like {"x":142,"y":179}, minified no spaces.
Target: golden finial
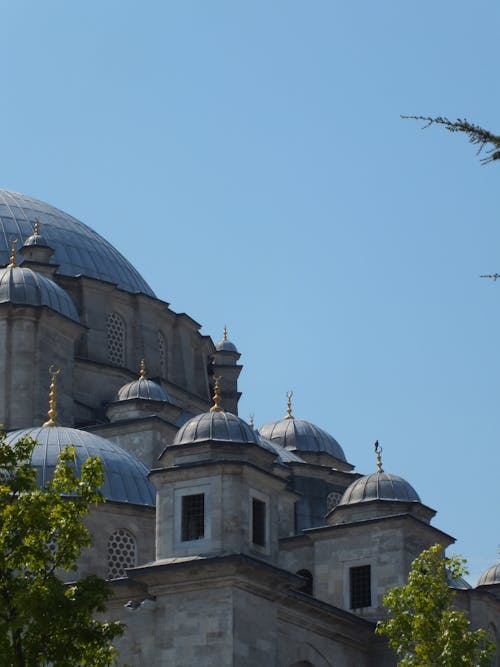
{"x":142,"y":371}
{"x":52,"y":414}
{"x":13,"y":258}
{"x":36,"y":230}
{"x":378,"y":452}
{"x":289,"y":395}
{"x":250,"y":421}
{"x":225,"y":333}
{"x":216,"y":397}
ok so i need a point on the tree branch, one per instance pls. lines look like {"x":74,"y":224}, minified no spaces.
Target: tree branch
{"x":476,"y":134}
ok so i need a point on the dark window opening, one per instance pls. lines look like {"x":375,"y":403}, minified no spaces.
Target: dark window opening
{"x":360,"y":587}
{"x":193,"y":517}
{"x":258,"y":522}
{"x":308,"y":584}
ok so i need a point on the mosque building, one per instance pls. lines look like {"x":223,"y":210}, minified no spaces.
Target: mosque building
{"x":226,"y":545}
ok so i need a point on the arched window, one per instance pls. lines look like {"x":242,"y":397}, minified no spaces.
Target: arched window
{"x":308,"y":584}
{"x":162,"y":353}
{"x":115,"y":329}
{"x":122,"y":553}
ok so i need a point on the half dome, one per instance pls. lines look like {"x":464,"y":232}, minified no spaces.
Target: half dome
{"x":125,"y":477}
{"x":22,"y":286}
{"x":379,"y":486}
{"x":302,"y":436}
{"x":78,"y":250}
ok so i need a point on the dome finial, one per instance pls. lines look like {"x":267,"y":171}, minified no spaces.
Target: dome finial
{"x":378,"y":452}
{"x":216,"y":397}
{"x":52,"y":413}
{"x":13,"y":258}
{"x":289,"y":395}
{"x":250,"y":421}
{"x":225,"y":334}
{"x":36,"y":229}
{"x":142,"y":371}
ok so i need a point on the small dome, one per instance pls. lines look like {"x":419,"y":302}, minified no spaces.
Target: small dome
{"x":218,"y":425}
{"x":491,"y":576}
{"x":143,"y":389}
{"x":125,"y":477}
{"x":379,"y":486}
{"x":302,"y":436}
{"x":225,"y":345}
{"x":22,"y":286}
{"x":226,"y":427}
{"x":36,"y":239}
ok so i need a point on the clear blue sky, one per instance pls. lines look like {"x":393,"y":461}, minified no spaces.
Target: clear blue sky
{"x":249,"y":158}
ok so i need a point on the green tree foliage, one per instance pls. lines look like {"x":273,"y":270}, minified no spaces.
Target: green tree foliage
{"x":42,"y":620}
{"x":423,"y":628}
{"x":475,"y":133}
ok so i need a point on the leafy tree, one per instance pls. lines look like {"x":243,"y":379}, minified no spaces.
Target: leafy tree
{"x":423,"y":628}
{"x":476,"y":134}
{"x":44,"y":621}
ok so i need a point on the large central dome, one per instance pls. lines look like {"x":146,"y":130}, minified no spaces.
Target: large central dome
{"x":77,"y":249}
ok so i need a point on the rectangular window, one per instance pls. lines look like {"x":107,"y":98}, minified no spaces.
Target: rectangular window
{"x":360,"y":587}
{"x":193,"y":517}
{"x":258,"y":522}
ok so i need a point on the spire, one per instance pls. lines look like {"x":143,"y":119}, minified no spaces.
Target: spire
{"x":13,"y":258}
{"x":378,"y":452}
{"x":289,"y":415}
{"x":250,"y":421}
{"x":142,"y":371}
{"x":52,"y":413}
{"x":225,"y":334}
{"x":216,"y":397}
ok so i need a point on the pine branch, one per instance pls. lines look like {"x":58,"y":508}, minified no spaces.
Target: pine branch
{"x":476,"y":134}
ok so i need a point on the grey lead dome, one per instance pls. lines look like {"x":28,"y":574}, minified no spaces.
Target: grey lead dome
{"x":225,"y":345}
{"x":226,"y":427}
{"x":125,"y":477}
{"x":36,"y":240}
{"x":379,"y":486}
{"x":222,"y":426}
{"x":142,"y":389}
{"x":302,"y":436}
{"x":78,"y":250}
{"x":490,"y":576}
{"x":22,"y":286}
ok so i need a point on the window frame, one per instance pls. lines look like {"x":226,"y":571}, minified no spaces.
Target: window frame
{"x":179,"y":494}
{"x":352,"y":568}
{"x":198,"y":519}
{"x":261,"y":498}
